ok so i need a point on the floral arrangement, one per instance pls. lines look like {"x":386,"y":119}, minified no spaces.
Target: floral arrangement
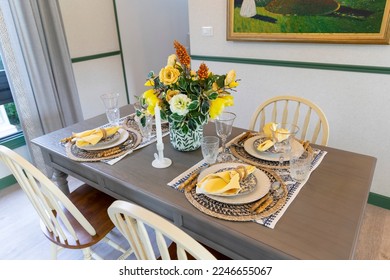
{"x":187,"y":99}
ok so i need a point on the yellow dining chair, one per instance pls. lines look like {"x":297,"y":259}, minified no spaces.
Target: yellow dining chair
{"x":311,"y":120}
{"x":75,"y":221}
{"x":132,"y":221}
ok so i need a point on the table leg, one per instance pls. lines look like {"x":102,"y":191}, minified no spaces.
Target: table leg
{"x":60,"y":179}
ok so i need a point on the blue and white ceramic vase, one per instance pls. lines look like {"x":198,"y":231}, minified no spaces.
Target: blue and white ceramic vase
{"x":186,"y":142}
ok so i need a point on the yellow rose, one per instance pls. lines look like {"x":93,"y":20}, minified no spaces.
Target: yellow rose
{"x":151,"y":99}
{"x":230,"y":80}
{"x":169,"y":75}
{"x":171,"y":93}
{"x":172,"y":60}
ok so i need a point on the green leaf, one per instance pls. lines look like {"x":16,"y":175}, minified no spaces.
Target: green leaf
{"x":213,"y":96}
{"x":193,"y":105}
{"x":184,"y":128}
{"x":192,"y":124}
{"x":221,"y":81}
{"x":176,"y":117}
{"x":205,"y":108}
{"x":163,"y":115}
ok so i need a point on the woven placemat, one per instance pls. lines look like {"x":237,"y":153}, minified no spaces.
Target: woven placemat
{"x":237,"y":212}
{"x":78,"y":154}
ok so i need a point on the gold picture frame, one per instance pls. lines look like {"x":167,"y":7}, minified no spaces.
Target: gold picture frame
{"x":326,"y":21}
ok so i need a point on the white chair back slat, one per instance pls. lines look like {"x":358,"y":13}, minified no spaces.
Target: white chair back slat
{"x":297,"y":114}
{"x":275,"y":111}
{"x":128,"y":212}
{"x":162,"y":246}
{"x":145,"y":240}
{"x":310,"y":119}
{"x":285,"y":112}
{"x":316,"y":132}
{"x":304,"y":127}
{"x":128,"y":227}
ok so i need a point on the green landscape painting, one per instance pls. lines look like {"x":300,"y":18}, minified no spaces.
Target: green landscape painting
{"x":343,"y":19}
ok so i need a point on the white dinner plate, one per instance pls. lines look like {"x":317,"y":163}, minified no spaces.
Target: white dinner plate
{"x":296,"y":147}
{"x":262,"y":187}
{"x":123,"y":135}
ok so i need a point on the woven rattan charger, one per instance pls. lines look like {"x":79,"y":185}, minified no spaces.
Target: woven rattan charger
{"x":237,"y":212}
{"x":78,"y":154}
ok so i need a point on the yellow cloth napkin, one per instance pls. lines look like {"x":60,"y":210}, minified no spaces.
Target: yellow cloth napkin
{"x":224,"y":182}
{"x":93,"y":136}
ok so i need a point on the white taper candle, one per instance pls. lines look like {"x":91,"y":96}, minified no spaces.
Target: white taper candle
{"x":158,"y":124}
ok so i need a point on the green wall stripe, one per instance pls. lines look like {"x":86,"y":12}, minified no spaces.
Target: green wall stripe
{"x":14,"y":141}
{"x":7,"y":181}
{"x":95,"y":56}
{"x":379,"y":200}
{"x":297,"y":64}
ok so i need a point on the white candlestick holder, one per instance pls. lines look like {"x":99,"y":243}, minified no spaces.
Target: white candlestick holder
{"x":159,"y":160}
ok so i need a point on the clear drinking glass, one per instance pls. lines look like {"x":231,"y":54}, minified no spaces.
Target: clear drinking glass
{"x":146,"y":130}
{"x":210,"y":146}
{"x":110,"y":101}
{"x":223,"y":125}
{"x":300,"y":166}
{"x":282,"y":134}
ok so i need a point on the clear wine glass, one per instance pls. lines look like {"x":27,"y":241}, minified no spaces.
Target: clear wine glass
{"x":282,"y":134}
{"x":223,"y":125}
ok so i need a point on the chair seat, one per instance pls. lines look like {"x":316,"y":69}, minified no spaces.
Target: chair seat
{"x":93,"y":204}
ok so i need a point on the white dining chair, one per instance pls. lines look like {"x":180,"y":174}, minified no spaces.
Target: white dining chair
{"x":75,"y":221}
{"x":132,"y":221}
{"x":311,"y":120}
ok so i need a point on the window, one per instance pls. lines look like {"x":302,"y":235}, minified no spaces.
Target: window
{"x":9,"y":120}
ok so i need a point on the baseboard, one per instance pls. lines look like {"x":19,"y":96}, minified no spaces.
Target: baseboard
{"x":379,"y":200}
{"x":7,"y":181}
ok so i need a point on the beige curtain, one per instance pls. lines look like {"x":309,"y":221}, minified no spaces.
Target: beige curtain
{"x":38,"y":67}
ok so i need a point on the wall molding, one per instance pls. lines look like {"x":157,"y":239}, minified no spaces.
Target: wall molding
{"x":7,"y":181}
{"x":95,"y":56}
{"x":297,"y":64}
{"x":379,"y":200}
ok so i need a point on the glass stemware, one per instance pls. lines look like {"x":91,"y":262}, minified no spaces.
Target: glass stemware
{"x":282,"y":134}
{"x":223,"y":125}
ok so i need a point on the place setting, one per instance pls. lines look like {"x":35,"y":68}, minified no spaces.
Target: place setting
{"x":104,"y":143}
{"x":254,"y":177}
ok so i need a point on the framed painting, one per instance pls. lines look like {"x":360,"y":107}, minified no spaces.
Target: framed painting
{"x":318,"y":21}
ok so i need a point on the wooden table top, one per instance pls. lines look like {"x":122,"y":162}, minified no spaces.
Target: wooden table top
{"x":322,"y":222}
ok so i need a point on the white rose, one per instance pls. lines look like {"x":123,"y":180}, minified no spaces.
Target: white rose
{"x":179,"y":103}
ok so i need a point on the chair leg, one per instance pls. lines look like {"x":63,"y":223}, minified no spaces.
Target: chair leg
{"x":114,"y":245}
{"x":53,"y":251}
{"x":87,"y":254}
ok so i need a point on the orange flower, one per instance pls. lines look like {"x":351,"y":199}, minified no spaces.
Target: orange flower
{"x":182,"y":54}
{"x":203,"y":71}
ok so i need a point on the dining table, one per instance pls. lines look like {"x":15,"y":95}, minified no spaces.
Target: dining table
{"x":322,"y":222}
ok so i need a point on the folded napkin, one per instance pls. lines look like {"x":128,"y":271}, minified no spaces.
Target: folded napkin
{"x":224,"y":182}
{"x":93,"y":136}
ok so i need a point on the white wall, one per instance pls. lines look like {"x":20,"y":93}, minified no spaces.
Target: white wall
{"x":147,"y":30}
{"x":356,"y":104}
{"x":90,"y":29}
